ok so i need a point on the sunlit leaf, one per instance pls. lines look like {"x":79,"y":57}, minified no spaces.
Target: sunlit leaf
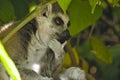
{"x":100,"y":50}
{"x":114,"y":2}
{"x":93,"y":4}
{"x":76,"y":55}
{"x":32,"y":6}
{"x":85,"y":65}
{"x":8,"y":63}
{"x":67,"y":61}
{"x":81,"y":16}
{"x":64,"y":4}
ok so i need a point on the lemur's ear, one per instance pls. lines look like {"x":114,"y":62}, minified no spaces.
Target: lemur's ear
{"x":48,"y":10}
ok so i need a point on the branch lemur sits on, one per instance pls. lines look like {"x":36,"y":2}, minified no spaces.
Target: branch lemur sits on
{"x":38,"y":48}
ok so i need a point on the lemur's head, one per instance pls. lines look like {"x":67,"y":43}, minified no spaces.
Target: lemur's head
{"x":53,"y":23}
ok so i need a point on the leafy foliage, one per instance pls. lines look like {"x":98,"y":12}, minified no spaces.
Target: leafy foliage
{"x":88,"y":17}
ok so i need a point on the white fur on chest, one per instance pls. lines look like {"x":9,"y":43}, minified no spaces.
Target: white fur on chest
{"x":36,"y":52}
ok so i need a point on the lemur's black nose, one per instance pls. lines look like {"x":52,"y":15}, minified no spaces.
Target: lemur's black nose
{"x":65,"y":35}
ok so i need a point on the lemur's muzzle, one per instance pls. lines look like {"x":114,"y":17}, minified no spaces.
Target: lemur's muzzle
{"x":65,"y":35}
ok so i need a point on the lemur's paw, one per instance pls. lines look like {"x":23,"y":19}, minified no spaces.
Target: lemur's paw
{"x":73,"y":73}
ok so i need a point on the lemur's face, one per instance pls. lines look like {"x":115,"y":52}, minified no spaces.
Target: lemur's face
{"x":54,"y":24}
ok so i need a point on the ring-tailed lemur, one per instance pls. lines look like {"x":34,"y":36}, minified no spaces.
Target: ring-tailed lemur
{"x":38,"y":48}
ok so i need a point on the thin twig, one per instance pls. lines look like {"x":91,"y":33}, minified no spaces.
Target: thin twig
{"x":91,"y":31}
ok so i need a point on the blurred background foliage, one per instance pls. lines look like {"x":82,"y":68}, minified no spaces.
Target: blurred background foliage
{"x":95,"y":30}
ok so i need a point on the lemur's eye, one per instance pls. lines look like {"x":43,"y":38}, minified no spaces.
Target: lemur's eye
{"x":58,"y":21}
{"x":44,"y":14}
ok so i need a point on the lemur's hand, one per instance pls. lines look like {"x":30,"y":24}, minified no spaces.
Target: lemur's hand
{"x":57,"y":48}
{"x":73,"y":73}
{"x":58,"y":51}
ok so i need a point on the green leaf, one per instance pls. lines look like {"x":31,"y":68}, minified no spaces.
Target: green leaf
{"x":81,"y":16}
{"x":64,"y":4}
{"x":100,"y":50}
{"x":115,"y":50}
{"x":20,"y":8}
{"x":8,"y":63}
{"x":6,"y":11}
{"x":93,"y":4}
{"x":114,"y":3}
